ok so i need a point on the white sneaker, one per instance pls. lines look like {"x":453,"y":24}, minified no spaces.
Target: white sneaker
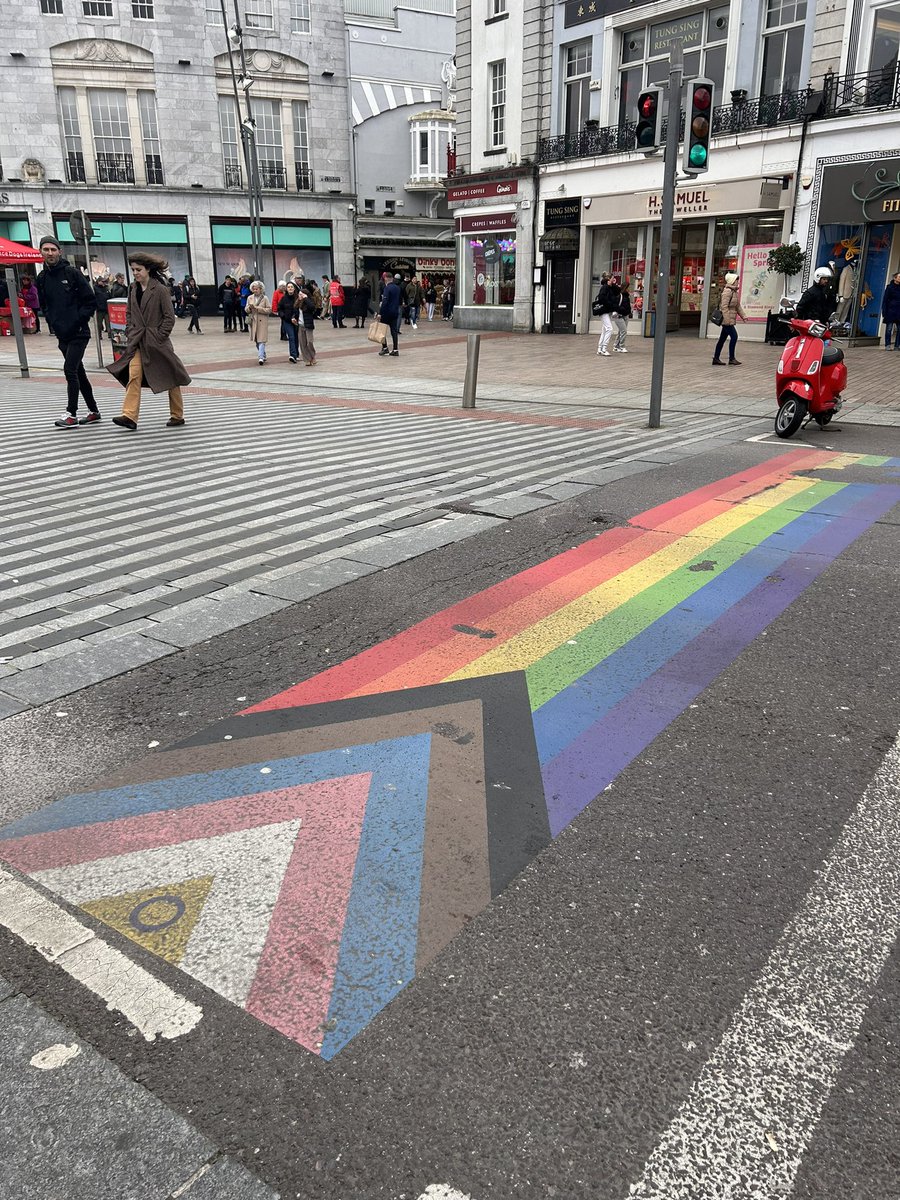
{"x":414,"y":325}
{"x":621,"y":350}
{"x":605,"y":353}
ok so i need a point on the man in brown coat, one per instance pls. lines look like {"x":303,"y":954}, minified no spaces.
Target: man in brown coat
{"x":149,"y":357}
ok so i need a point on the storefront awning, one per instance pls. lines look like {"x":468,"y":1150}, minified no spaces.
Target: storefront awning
{"x":564,"y":240}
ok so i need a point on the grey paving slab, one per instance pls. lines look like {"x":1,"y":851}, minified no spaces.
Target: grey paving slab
{"x":512,"y":506}
{"x":387,"y":552}
{"x":227,"y":1180}
{"x":10,"y":705}
{"x":82,"y":1131}
{"x":313,"y":580}
{"x":614,"y":470}
{"x":564,"y":491}
{"x":6,"y":989}
{"x":85,"y":667}
{"x":204,"y":618}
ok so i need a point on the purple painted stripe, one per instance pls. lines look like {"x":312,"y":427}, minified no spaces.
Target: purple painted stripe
{"x":580,"y":773}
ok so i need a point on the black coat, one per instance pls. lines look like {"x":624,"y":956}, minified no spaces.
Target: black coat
{"x":361,"y":300}
{"x":67,"y":301}
{"x":816,"y":304}
{"x":608,"y":298}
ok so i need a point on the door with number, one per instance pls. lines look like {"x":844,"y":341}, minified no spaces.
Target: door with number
{"x":562,"y":294}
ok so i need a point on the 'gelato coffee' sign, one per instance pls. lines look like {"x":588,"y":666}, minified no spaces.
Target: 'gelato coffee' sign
{"x":482,"y":191}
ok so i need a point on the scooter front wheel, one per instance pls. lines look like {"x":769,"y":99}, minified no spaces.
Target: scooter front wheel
{"x":790,"y":416}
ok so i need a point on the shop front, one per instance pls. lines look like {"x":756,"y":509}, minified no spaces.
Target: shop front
{"x":14,"y":226}
{"x":718,"y":228}
{"x":289,"y":248}
{"x":859,"y":237}
{"x":438,"y":270}
{"x":560,"y":244}
{"x":116,"y":237}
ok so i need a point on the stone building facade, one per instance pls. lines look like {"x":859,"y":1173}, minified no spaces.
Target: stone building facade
{"x":126,"y":109}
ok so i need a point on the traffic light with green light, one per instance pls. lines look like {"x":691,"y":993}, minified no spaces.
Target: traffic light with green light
{"x":648,"y":131}
{"x":698,"y":108}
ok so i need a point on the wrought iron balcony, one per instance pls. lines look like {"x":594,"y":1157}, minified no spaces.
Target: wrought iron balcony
{"x":837,"y":96}
{"x":303,"y":176}
{"x":272,"y":177}
{"x":115,"y":168}
{"x":75,"y":167}
{"x":153,"y":167}
{"x":233,"y":178}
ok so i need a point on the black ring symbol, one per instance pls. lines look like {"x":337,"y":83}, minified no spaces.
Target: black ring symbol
{"x":136,"y":923}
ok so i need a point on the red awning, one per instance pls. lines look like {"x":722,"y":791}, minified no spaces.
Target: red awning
{"x":14,"y":252}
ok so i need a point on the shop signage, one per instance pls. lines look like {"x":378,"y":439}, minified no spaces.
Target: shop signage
{"x":436,"y":264}
{"x":578,"y":11}
{"x":561,"y":240}
{"x":4,"y":197}
{"x":482,"y":191}
{"x":760,"y":288}
{"x":562,"y":212}
{"x":714,"y":199}
{"x":689,"y":30}
{"x":687,"y":200}
{"x":490,"y":251}
{"x":494,"y":221}
{"x":858,"y":192}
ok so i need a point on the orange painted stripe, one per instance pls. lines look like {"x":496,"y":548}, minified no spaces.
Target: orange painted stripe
{"x":432,"y":650}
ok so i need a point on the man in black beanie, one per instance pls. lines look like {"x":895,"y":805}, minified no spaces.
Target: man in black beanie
{"x":67,"y":301}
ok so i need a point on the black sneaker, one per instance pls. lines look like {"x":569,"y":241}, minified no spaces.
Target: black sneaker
{"x":395,"y":354}
{"x":175,"y":421}
{"x":91,"y":419}
{"x":733,"y":362}
{"x":384,"y":350}
{"x":125,"y":422}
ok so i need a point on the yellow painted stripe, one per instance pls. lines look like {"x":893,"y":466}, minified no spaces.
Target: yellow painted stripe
{"x":519,"y":652}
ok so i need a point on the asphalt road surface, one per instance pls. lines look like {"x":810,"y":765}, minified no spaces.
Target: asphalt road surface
{"x":562,"y":861}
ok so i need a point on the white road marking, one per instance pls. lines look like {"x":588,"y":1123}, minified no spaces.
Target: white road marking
{"x":742,"y":1131}
{"x":766,"y":439}
{"x":152,"y":1007}
{"x":55,"y":1056}
{"x":443,"y":1191}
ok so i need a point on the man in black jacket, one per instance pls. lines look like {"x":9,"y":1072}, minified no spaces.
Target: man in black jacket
{"x":67,"y":300}
{"x":817,"y":302}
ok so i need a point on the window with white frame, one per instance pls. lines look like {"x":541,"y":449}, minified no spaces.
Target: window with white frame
{"x":112,"y":135}
{"x":497,"y":7}
{"x":300,"y":122}
{"x":97,"y":8}
{"x":644,"y":54}
{"x":231,"y":142}
{"x":783,"y":46}
{"x":150,"y":137}
{"x":52,"y":7}
{"x":213,"y":12}
{"x":269,"y":144}
{"x":142,"y":10}
{"x":300,"y":16}
{"x":577,"y":86}
{"x":886,"y":42}
{"x":259,"y":14}
{"x":71,"y":134}
{"x":497,"y":111}
{"x":430,"y":138}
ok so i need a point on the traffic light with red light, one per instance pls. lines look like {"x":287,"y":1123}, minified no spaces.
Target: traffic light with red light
{"x":648,"y":131}
{"x":698,"y":110}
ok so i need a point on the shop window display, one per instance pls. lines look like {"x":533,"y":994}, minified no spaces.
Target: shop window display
{"x":615,"y":252}
{"x":490,"y":269}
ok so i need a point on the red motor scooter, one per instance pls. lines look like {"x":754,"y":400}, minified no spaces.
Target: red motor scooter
{"x":810,"y":377}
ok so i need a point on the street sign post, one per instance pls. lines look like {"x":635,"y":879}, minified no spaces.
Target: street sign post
{"x":83,"y":231}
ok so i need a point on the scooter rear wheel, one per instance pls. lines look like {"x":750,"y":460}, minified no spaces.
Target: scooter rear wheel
{"x":823,"y":419}
{"x":790,"y":416}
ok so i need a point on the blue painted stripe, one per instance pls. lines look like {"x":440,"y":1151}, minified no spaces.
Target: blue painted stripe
{"x":564,"y":717}
{"x":378,"y":947}
{"x":92,"y":808}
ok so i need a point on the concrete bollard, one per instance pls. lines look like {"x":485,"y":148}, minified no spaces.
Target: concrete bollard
{"x":473,"y":346}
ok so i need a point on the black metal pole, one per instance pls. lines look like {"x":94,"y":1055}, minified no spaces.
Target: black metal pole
{"x":667,"y":220}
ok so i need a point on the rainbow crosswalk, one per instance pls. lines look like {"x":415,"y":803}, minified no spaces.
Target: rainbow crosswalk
{"x":306,"y":859}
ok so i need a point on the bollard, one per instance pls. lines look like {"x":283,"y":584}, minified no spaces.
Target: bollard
{"x":473,"y":345}
{"x":15,"y":319}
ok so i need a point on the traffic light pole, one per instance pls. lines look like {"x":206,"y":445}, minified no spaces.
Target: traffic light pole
{"x":667,"y":220}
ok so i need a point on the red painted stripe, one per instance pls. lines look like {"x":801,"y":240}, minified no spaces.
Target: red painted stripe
{"x":171,"y":827}
{"x":396,"y":657}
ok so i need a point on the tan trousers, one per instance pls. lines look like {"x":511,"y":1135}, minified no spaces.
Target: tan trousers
{"x":131,"y":406}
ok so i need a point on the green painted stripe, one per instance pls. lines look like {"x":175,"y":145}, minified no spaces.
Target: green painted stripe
{"x":563,"y":666}
{"x":872,"y":460}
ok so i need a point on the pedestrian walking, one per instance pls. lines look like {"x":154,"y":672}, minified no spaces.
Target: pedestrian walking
{"x":390,"y":313}
{"x":228,"y":300}
{"x":118,"y":288}
{"x":415,"y":298}
{"x":325,"y":293}
{"x":258,"y":311}
{"x":890,"y":311}
{"x":306,"y":326}
{"x":287,"y":311}
{"x":621,"y":317}
{"x":448,"y":300}
{"x":361,"y":303}
{"x":606,"y":306}
{"x":336,"y":298}
{"x":149,"y":357}
{"x":276,"y":300}
{"x":190,"y":298}
{"x":67,"y":301}
{"x":243,"y":295}
{"x":731,"y":309}
{"x":30,"y":298}
{"x":430,"y":300}
{"x":101,"y":298}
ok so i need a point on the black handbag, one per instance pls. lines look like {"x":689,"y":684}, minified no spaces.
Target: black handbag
{"x":597,"y":308}
{"x":716,"y":316}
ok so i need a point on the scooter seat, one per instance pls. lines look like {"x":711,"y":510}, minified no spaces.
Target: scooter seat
{"x":832,"y":355}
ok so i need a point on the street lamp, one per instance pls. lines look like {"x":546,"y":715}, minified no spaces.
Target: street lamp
{"x":242,"y":83}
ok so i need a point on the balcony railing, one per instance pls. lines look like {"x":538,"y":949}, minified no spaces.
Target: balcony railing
{"x":75,"y":167}
{"x":273,"y":177}
{"x":115,"y":168}
{"x":153,"y":167}
{"x":837,"y":96}
{"x":303,"y":176}
{"x":233,"y":177}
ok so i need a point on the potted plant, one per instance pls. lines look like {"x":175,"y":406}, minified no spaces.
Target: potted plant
{"x":787,"y":260}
